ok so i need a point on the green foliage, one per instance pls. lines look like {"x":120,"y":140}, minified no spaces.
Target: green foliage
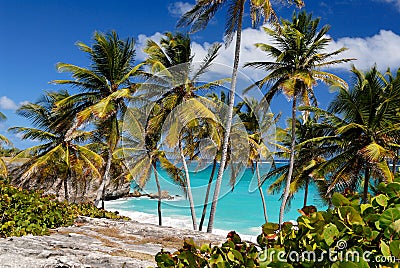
{"x":349,"y":235}
{"x":372,"y":229}
{"x":233,"y":253}
{"x":25,"y":212}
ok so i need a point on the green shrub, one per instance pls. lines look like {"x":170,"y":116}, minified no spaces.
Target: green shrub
{"x":233,"y":253}
{"x":350,"y":235}
{"x":29,"y":212}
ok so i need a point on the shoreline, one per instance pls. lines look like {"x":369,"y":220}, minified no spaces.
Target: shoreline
{"x":174,"y":221}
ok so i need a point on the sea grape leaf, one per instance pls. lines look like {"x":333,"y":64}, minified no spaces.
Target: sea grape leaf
{"x":385,"y":249}
{"x":330,"y":233}
{"x":389,"y":216}
{"x":339,"y":200}
{"x":395,"y":248}
{"x":381,"y":200}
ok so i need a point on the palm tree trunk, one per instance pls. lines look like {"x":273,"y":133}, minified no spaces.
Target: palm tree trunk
{"x":228,"y":123}
{"x":159,"y":193}
{"x":203,"y":215}
{"x":105,"y":181}
{"x":366,"y":183}
{"x":306,"y":192}
{"x":291,"y":162}
{"x":188,"y":187}
{"x":261,"y":193}
{"x":65,"y":182}
{"x":395,"y":159}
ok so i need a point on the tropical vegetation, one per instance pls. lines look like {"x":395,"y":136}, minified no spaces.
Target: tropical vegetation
{"x":299,"y":55}
{"x":30,"y":212}
{"x":127,"y":120}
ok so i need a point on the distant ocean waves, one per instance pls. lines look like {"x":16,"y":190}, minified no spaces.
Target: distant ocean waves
{"x":177,"y":221}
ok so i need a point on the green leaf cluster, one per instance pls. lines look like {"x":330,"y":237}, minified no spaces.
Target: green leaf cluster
{"x":233,"y":253}
{"x":348,"y":227}
{"x":348,"y":235}
{"x":25,"y":212}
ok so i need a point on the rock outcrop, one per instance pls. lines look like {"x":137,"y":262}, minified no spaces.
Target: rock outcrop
{"x":85,"y":191}
{"x":97,"y":243}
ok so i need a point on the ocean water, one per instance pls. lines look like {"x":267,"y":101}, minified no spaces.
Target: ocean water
{"x":238,"y":209}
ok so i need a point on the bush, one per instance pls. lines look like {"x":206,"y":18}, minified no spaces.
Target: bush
{"x":350,"y":235}
{"x":29,"y":212}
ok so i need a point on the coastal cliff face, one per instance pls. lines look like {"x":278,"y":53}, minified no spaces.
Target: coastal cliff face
{"x":97,"y":243}
{"x":84,"y":191}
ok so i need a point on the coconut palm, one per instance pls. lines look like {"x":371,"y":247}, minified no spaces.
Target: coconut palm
{"x":257,"y":128}
{"x":141,"y":150}
{"x":174,"y":59}
{"x":198,"y":17}
{"x":308,"y":155}
{"x":61,"y":156}
{"x":104,"y":86}
{"x":365,"y":119}
{"x":164,"y":100}
{"x":299,"y":55}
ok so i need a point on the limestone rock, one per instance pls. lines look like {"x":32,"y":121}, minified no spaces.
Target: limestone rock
{"x":97,"y":243}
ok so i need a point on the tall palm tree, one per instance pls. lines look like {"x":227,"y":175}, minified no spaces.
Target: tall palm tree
{"x":256,"y":127}
{"x":365,"y":121}
{"x":299,"y":55}
{"x":308,"y":155}
{"x":61,"y":155}
{"x":198,"y":17}
{"x":174,"y":58}
{"x":105,"y":85}
{"x":172,"y":85}
{"x":141,"y":150}
{"x":3,"y":140}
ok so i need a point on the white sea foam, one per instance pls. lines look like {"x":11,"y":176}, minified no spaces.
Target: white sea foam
{"x":178,"y":221}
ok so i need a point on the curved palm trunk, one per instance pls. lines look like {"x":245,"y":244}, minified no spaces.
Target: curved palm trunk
{"x":228,"y":123}
{"x":105,"y":181}
{"x":366,"y":183}
{"x":306,"y":192}
{"x":203,"y":215}
{"x":65,"y":182}
{"x":188,"y":187}
{"x":291,"y":163}
{"x":395,"y":159}
{"x":159,"y":193}
{"x":261,"y":193}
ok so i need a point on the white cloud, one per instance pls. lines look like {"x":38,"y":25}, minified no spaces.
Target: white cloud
{"x":7,"y":103}
{"x":177,"y":9}
{"x":381,"y":49}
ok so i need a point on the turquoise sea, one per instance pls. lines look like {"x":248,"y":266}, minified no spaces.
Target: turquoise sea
{"x":239,"y":209}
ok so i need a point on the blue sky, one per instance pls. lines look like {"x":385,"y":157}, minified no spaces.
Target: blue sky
{"x":37,"y":34}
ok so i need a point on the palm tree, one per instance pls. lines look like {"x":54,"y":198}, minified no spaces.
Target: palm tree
{"x":105,"y":85}
{"x":365,"y":121}
{"x":308,"y":156}
{"x":141,"y":151}
{"x":299,"y":57}
{"x":257,"y":128}
{"x":3,"y":140}
{"x":198,"y":18}
{"x":60,"y":155}
{"x":173,"y":58}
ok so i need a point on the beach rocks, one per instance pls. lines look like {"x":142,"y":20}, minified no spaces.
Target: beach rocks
{"x":164,"y":195}
{"x":97,"y":243}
